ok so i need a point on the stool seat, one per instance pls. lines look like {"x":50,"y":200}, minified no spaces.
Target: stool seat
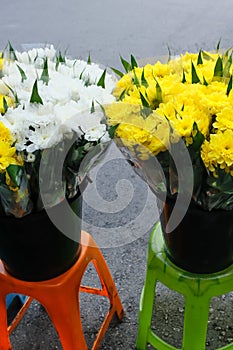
{"x":60,"y":297}
{"x":197,"y":289}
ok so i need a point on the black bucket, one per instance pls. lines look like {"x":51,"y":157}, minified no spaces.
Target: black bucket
{"x":32,"y":248}
{"x":202,"y":242}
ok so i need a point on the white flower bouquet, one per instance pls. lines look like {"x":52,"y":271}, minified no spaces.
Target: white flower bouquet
{"x":48,"y":102}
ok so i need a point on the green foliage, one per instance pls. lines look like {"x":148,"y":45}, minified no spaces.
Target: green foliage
{"x":101,"y":81}
{"x":218,"y":69}
{"x":89,"y":59}
{"x":35,"y":97}
{"x":117,"y":72}
{"x":218,"y":45}
{"x":45,"y":73}
{"x":122,"y":95}
{"x":227,"y":63}
{"x":143,"y":79}
{"x":195,"y":78}
{"x":92,"y":107}
{"x":5,"y":106}
{"x":183,"y":78}
{"x":229,"y":86}
{"x":199,"y":59}
{"x":127,"y":66}
{"x":204,"y":81}
{"x":133,"y":62}
{"x":23,"y":75}
{"x":11,"y":52}
{"x":135,"y":79}
{"x":223,"y":182}
{"x":169,"y":54}
{"x":145,"y":103}
{"x":14,"y":94}
{"x":112,"y":130}
{"x":206,"y":56}
{"x":59,"y":59}
{"x":15,"y":172}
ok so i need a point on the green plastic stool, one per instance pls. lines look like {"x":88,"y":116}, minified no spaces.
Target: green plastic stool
{"x":197,"y":289}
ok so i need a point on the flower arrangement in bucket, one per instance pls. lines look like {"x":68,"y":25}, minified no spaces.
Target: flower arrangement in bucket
{"x":51,"y":112}
{"x":181,"y":114}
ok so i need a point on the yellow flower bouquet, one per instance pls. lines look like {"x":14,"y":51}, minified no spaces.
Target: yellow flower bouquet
{"x":174,"y":123}
{"x":187,"y":100}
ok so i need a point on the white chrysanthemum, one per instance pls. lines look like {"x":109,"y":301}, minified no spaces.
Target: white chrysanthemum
{"x":68,"y":91}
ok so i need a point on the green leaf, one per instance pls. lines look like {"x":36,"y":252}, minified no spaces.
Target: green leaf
{"x":101,"y":81}
{"x":169,"y":54}
{"x":223,"y":182}
{"x":227,"y":53}
{"x":122,"y":95}
{"x":145,"y":103}
{"x":206,"y":56}
{"x":133,"y":62}
{"x":229,"y":87}
{"x":218,"y":45}
{"x":12,"y":52}
{"x":195,"y":78}
{"x":198,"y":139}
{"x":218,"y":69}
{"x":119,"y":73}
{"x":159,"y":93}
{"x":92,"y":107}
{"x":5,"y":105}
{"x":14,"y":94}
{"x":35,"y":97}
{"x":204,"y":81}
{"x":23,"y":75}
{"x":126,"y":65}
{"x":183,"y":78}
{"x":227,"y":66}
{"x":60,"y":58}
{"x":143,"y":79}
{"x":45,"y":73}
{"x":135,"y":80}
{"x":15,"y":173}
{"x":89,"y":59}
{"x":81,"y":74}
{"x":199,"y":59}
{"x":112,"y":130}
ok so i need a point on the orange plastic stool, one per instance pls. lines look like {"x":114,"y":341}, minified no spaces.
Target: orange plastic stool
{"x":51,"y":293}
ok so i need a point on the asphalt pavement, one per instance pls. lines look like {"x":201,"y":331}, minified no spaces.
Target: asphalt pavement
{"x":119,"y":209}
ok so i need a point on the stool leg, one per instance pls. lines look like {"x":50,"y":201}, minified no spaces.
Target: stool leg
{"x":146,"y":309}
{"x":195,"y":323}
{"x":68,"y":319}
{"x":108,"y":282}
{"x":4,"y":336}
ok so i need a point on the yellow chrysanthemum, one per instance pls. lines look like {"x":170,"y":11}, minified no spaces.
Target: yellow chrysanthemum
{"x":146,"y":134}
{"x":224,"y":119}
{"x":5,"y":134}
{"x":7,"y":156}
{"x":218,"y":151}
{"x":8,"y":153}
{"x":186,"y":92}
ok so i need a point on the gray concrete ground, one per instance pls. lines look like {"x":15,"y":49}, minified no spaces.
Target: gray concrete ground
{"x":108,"y":29}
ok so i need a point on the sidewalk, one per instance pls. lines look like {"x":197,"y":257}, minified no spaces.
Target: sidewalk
{"x":107,"y":29}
